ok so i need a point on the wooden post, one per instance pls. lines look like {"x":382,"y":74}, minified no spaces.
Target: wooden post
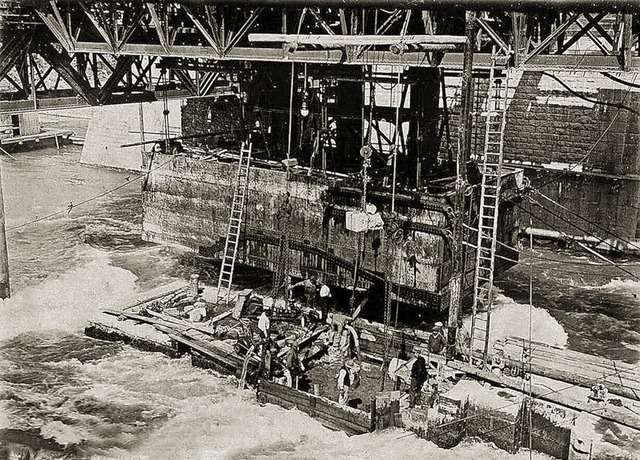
{"x":32,"y":83}
{"x":5,"y":290}
{"x":520,"y":40}
{"x":141,"y":120}
{"x":627,"y":42}
{"x":464,"y":151}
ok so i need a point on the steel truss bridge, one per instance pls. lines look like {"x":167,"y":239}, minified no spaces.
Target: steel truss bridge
{"x":62,"y":53}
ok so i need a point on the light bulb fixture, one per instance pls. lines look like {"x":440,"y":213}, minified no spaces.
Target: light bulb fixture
{"x":304,"y":109}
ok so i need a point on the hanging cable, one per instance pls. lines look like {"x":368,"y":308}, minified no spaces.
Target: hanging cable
{"x":395,"y":149}
{"x":530,"y":338}
{"x":595,"y":144}
{"x":599,"y":227}
{"x":569,"y":238}
{"x":559,"y":216}
{"x":619,"y":105}
{"x":88,"y":200}
{"x":289,"y":139}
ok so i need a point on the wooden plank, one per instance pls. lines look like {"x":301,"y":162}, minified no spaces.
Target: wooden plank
{"x":346,"y":419}
{"x":357,"y":40}
{"x":540,"y":346}
{"x":571,"y":376}
{"x":211,"y":352}
{"x":183,"y":323}
{"x":156,"y":293}
{"x":221,"y":316}
{"x":610,"y":412}
{"x":142,"y":319}
{"x":575,"y":367}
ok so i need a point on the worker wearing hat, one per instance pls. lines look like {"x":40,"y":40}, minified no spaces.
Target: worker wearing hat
{"x":437,"y":340}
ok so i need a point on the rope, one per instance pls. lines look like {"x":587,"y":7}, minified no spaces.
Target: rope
{"x":599,"y":227}
{"x":568,"y":237}
{"x":395,"y":151}
{"x":73,"y":206}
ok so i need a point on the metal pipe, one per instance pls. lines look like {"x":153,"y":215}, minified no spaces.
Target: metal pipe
{"x":478,"y":5}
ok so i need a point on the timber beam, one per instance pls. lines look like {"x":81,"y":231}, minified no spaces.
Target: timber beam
{"x":61,"y":63}
{"x":477,"y":5}
{"x":12,"y":51}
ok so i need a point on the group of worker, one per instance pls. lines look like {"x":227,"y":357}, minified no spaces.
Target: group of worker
{"x":342,"y":343}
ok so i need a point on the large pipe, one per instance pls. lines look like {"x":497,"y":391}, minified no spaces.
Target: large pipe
{"x":629,"y":6}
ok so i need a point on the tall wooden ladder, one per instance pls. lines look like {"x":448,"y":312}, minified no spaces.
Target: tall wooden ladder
{"x":235,"y":221}
{"x":487,"y":230}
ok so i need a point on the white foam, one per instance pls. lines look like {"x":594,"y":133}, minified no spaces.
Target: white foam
{"x":62,"y":434}
{"x":64,"y":302}
{"x":509,"y":318}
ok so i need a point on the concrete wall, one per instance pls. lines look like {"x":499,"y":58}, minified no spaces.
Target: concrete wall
{"x":111,"y":126}
{"x":187,"y":202}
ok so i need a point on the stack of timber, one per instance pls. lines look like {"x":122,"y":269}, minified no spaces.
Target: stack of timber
{"x":373,"y":341}
{"x":329,"y":413}
{"x":619,"y":378}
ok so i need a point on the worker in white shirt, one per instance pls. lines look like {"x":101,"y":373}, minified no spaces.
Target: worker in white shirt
{"x":325,"y":295}
{"x":264,"y":324}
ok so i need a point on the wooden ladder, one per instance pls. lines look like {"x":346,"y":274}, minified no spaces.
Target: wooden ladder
{"x":235,"y":221}
{"x":491,"y":169}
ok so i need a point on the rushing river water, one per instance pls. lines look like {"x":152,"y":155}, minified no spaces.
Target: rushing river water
{"x":63,"y":395}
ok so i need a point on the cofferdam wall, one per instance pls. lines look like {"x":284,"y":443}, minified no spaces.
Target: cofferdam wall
{"x":577,"y":135}
{"x":297,"y":224}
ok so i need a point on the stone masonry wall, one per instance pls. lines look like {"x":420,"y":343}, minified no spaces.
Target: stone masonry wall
{"x":577,"y":134}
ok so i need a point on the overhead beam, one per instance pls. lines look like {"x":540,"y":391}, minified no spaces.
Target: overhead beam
{"x":451,"y":61}
{"x":122,"y":67}
{"x":476,"y":5}
{"x":338,"y":41}
{"x":11,"y":51}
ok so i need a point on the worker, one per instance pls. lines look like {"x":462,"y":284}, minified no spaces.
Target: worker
{"x":325,"y":296}
{"x":292,"y":364}
{"x":344,"y":383}
{"x":267,"y":357}
{"x":437,"y":340}
{"x":419,"y":375}
{"x":310,"y":286}
{"x":288,"y":289}
{"x":264,"y":323}
{"x":344,"y":346}
{"x":353,"y":340}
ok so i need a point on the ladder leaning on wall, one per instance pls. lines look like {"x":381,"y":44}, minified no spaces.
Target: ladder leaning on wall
{"x":235,"y":222}
{"x":487,"y":229}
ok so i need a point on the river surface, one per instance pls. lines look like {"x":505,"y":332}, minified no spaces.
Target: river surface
{"x":63,"y":395}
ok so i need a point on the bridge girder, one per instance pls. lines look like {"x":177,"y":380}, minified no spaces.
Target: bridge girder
{"x":121,"y":48}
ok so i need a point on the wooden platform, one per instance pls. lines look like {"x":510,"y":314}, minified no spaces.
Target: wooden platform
{"x":41,"y":136}
{"x":329,"y":413}
{"x":569,"y":366}
{"x":144,"y":325}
